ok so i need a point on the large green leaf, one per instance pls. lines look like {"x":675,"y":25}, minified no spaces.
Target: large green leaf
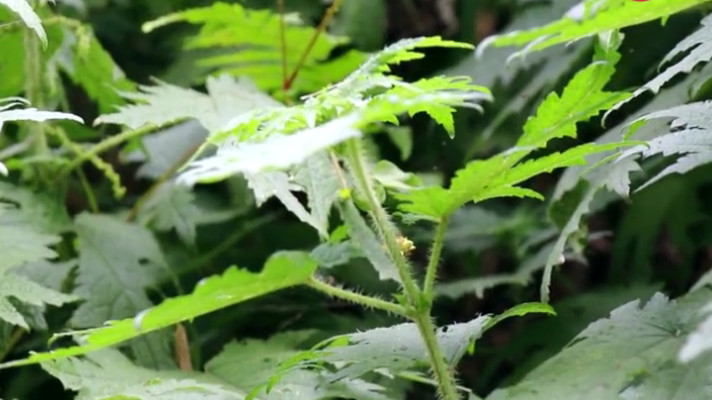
{"x":582,"y":98}
{"x":257,"y":48}
{"x":117,"y":262}
{"x":631,"y":355}
{"x":282,"y":270}
{"x":108,"y":374}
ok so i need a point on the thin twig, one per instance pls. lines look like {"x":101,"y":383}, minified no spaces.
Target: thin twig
{"x":328,"y":16}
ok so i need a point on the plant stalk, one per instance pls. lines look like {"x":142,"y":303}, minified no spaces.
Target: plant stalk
{"x":357,"y":298}
{"x":415,"y":298}
{"x":435,"y":253}
{"x":33,"y":87}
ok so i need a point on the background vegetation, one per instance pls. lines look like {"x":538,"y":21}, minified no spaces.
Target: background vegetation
{"x":98,"y":224}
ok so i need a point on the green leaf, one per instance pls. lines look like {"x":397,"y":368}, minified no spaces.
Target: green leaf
{"x":88,"y":65}
{"x":321,"y":184}
{"x":108,"y":374}
{"x":172,"y":207}
{"x":22,"y":289}
{"x":557,"y":116}
{"x":164,"y":104}
{"x":7,"y":113}
{"x":592,"y":17}
{"x":282,"y":270}
{"x":630,"y":355}
{"x":256,"y":36}
{"x":368,"y":242}
{"x":250,"y":364}
{"x":117,"y":262}
{"x":277,"y":184}
{"x":697,"y":49}
{"x":363,"y":352}
{"x":20,"y":243}
{"x":276,"y":152}
{"x":521,"y":310}
{"x":583,"y":97}
{"x":689,"y":138}
{"x":237,"y":361}
{"x":23,"y":9}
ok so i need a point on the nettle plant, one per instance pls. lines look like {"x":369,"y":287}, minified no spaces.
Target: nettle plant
{"x":317,"y":148}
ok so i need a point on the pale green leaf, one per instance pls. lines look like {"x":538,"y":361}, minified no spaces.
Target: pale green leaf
{"x":397,"y":348}
{"x":20,"y":243}
{"x":689,"y":138}
{"x":164,"y":104}
{"x":318,"y":178}
{"x":275,"y":152}
{"x":631,"y":355}
{"x":23,"y":9}
{"x":117,"y":262}
{"x":697,"y":49}
{"x":172,"y":208}
{"x":32,"y":114}
{"x":277,"y":184}
{"x":22,"y":289}
{"x":282,"y":270}
{"x":368,"y":242}
{"x":108,"y":374}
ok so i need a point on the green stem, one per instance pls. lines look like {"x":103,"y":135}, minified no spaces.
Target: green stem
{"x":441,"y":369}
{"x":107,"y":144}
{"x":382,"y":222}
{"x":330,"y":12}
{"x":421,"y":316}
{"x":432,"y":269}
{"x":366,"y":301}
{"x":33,"y":86}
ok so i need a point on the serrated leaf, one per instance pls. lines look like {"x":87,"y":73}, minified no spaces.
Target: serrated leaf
{"x":592,"y":17}
{"x":20,"y":244}
{"x":277,"y":184}
{"x":697,"y":48}
{"x":397,"y":348}
{"x":321,"y":184}
{"x":117,"y":262}
{"x":368,"y":242}
{"x":23,"y":9}
{"x":256,"y":47}
{"x":275,"y":152}
{"x":90,"y":66}
{"x":582,"y":98}
{"x":110,"y":375}
{"x":164,"y":103}
{"x":689,"y":138}
{"x":28,"y":292}
{"x":172,"y":207}
{"x":630,"y":355}
{"x":282,"y":270}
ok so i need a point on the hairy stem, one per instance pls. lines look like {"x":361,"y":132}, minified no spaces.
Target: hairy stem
{"x":107,"y":144}
{"x":431,"y":271}
{"x":421,"y":315}
{"x":348,"y":295}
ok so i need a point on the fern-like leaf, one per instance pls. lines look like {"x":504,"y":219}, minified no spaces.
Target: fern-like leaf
{"x":690,"y":138}
{"x":592,"y":17}
{"x":252,"y":46}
